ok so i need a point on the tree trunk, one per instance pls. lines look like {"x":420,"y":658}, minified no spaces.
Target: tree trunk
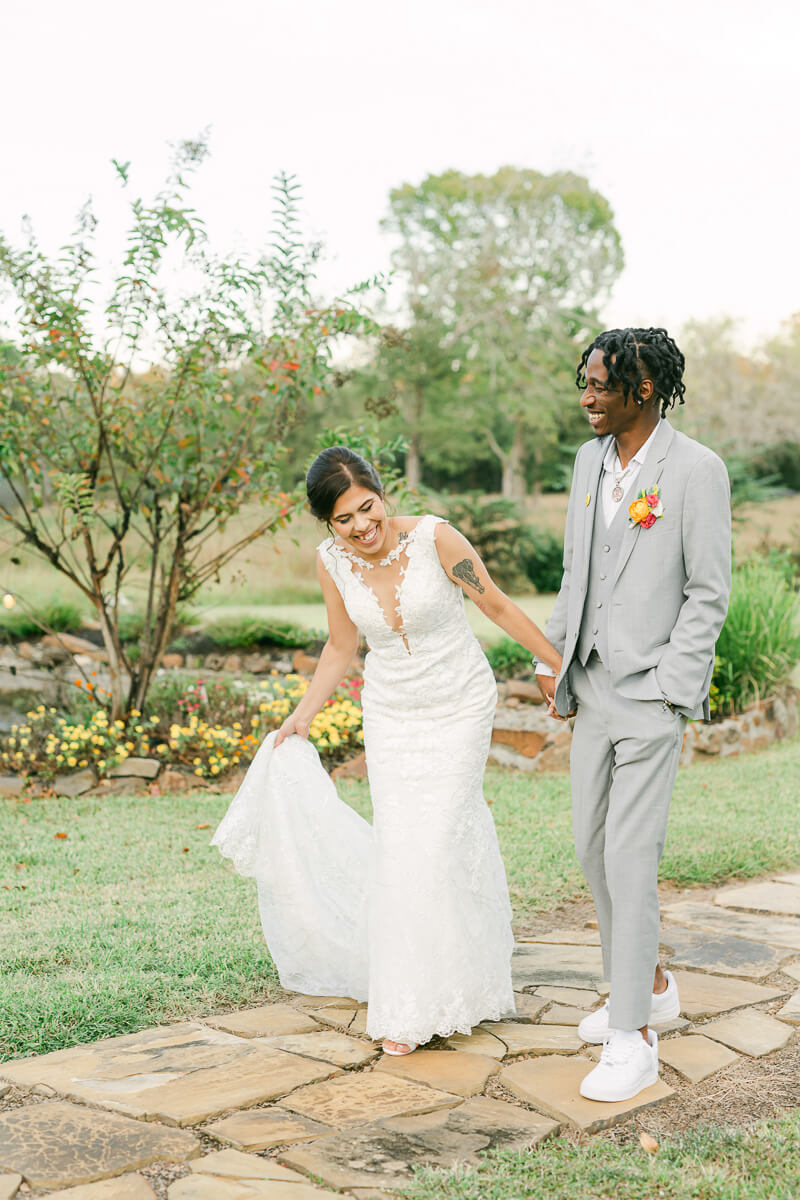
{"x":110,"y":634}
{"x":414,"y":451}
{"x":413,"y":463}
{"x":507,"y":483}
{"x":536,"y":489}
{"x":165,"y":621}
{"x":515,"y":466}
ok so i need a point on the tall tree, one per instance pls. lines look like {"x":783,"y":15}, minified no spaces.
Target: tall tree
{"x":515,"y":266}
{"x":726,"y":387}
{"x":409,"y":382}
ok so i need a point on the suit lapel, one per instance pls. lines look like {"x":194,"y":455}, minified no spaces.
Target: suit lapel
{"x":593,"y":475}
{"x":649,"y":476}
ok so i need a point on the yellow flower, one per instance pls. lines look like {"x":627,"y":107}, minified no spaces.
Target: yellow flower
{"x":72,"y":761}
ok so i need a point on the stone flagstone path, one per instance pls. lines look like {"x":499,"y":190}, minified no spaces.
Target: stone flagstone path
{"x":259,"y":1103}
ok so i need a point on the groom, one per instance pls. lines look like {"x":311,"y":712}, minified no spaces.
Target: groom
{"x":643,"y":598}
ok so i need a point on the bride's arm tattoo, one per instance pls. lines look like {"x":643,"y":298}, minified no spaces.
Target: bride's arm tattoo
{"x":465,"y":571}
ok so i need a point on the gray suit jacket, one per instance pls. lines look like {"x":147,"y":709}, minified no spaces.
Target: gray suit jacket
{"x":671,"y":583}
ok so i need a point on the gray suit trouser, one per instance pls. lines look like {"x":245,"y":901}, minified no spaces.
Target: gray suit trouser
{"x":623,"y":763}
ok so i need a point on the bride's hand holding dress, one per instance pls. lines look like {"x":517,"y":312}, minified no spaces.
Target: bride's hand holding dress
{"x":334,"y":663}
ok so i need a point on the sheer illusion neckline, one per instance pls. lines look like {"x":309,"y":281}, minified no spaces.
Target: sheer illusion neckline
{"x":405,"y":537}
{"x":356,"y":563}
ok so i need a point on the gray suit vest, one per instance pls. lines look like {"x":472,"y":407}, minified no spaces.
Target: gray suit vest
{"x":606,"y":544}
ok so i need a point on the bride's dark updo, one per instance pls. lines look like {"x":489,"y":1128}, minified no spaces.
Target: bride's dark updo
{"x":332,"y":473}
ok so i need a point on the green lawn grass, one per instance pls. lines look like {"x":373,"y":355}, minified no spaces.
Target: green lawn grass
{"x":133,"y":919}
{"x":711,"y":1163}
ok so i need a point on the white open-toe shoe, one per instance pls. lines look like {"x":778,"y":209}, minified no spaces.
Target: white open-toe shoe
{"x":398,"y":1053}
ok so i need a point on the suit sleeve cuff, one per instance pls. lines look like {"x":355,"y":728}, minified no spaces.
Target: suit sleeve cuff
{"x":542,"y":669}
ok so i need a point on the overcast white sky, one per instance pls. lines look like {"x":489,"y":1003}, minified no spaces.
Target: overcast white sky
{"x":684,"y":114}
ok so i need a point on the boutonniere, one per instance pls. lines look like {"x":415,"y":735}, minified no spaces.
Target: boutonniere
{"x":645,"y":508}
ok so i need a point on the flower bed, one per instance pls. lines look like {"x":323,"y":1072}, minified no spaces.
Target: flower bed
{"x":211,"y":728}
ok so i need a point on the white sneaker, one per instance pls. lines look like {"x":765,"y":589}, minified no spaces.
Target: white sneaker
{"x":665,"y":1006}
{"x":627,"y":1065}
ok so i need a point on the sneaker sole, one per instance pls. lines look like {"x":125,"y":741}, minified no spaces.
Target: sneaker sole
{"x":626,"y":1095}
{"x":665,"y":1017}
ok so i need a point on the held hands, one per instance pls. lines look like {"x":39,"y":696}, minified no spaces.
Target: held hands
{"x":547,"y":686}
{"x":292,"y":724}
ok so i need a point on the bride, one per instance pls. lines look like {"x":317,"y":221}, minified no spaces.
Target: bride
{"x":412,"y":913}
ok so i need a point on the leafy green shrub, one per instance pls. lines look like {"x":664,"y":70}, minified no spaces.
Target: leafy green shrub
{"x":507,"y":658}
{"x":240,"y":633}
{"x":497,"y":533}
{"x":759,"y":646}
{"x":781,"y":460}
{"x":543,"y":559}
{"x":130,"y":623}
{"x":59,"y":615}
{"x":749,"y":487}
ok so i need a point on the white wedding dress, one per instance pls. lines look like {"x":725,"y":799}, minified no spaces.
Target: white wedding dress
{"x":411,"y":913}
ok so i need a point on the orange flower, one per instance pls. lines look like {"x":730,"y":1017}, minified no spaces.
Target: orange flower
{"x":638,"y":510}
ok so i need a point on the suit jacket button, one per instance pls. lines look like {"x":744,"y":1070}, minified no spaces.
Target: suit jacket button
{"x":606,"y":548}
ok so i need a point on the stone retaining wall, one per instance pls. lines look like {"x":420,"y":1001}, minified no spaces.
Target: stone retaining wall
{"x":525,"y":737}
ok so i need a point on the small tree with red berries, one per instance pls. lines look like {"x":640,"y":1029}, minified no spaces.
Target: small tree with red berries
{"x":118,"y":467}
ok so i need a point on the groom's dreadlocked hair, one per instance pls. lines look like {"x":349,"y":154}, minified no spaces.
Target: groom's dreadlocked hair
{"x":631,"y":355}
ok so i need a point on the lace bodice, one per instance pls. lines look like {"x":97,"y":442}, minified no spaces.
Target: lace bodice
{"x":427,"y":605}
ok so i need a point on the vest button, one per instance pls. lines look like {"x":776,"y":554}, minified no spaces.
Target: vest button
{"x":603,"y":577}
{"x":599,"y":603}
{"x":606,"y":548}
{"x":595,"y":632}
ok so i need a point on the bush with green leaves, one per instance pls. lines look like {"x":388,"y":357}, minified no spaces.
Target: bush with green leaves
{"x":244,"y":633}
{"x":759,"y":646}
{"x":507,"y":658}
{"x":494,"y":528}
{"x":543,"y":559}
{"x":51,"y":615}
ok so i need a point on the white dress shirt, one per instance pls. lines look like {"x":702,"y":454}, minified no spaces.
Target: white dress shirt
{"x":613,"y":474}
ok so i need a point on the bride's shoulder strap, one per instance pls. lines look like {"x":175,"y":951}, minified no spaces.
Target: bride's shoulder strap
{"x":328,"y":555}
{"x":428,"y":523}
